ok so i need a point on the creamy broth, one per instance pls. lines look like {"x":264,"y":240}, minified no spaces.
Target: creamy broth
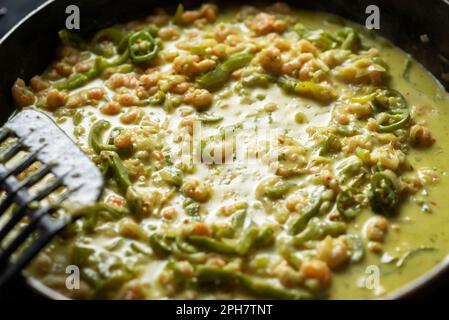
{"x":116,"y":247}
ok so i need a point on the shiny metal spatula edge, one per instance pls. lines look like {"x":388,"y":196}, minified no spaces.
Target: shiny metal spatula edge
{"x":37,"y":134}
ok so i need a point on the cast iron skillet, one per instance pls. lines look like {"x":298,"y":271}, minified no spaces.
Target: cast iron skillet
{"x":30,"y":46}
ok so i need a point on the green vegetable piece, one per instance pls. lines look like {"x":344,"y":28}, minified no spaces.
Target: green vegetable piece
{"x":349,"y":203}
{"x":220,"y":75}
{"x":172,"y":176}
{"x":306,"y":89}
{"x":330,"y":144}
{"x":95,"y":138}
{"x":307,"y":213}
{"x":265,"y":238}
{"x":384,"y":195}
{"x":119,"y":171}
{"x":134,"y":200}
{"x":177,"y":19}
{"x":278,"y":190}
{"x":210,"y":244}
{"x":72,"y":39}
{"x":322,"y":39}
{"x":113,"y":35}
{"x":81,"y":254}
{"x":249,"y":238}
{"x":157,"y":99}
{"x":220,"y":278}
{"x":318,"y":229}
{"x":350,"y":39}
{"x":191,"y":208}
{"x":142,"y":47}
{"x":257,"y":79}
{"x":159,"y":246}
{"x":397,"y":112}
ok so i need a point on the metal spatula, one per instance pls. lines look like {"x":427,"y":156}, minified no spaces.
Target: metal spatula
{"x":51,"y":163}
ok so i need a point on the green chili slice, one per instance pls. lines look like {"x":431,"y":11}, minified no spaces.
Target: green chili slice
{"x":95,"y":138}
{"x":142,"y":47}
{"x":220,"y":75}
{"x":349,"y":203}
{"x":113,"y":35}
{"x":397,"y":113}
{"x":210,"y":244}
{"x":218,"y":277}
{"x":73,"y":39}
{"x":384,"y":195}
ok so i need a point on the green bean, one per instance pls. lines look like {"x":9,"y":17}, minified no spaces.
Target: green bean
{"x":210,"y":244}
{"x":321,"y":39}
{"x":350,"y":40}
{"x":134,"y":200}
{"x":109,"y":71}
{"x":221,"y":73}
{"x":96,"y":136}
{"x":238,"y":220}
{"x":249,"y":238}
{"x":384,"y":193}
{"x":317,"y":229}
{"x":219,"y":277}
{"x":278,"y":190}
{"x":265,"y":238}
{"x":257,"y":79}
{"x":307,"y":213}
{"x":80,"y":255}
{"x":119,"y":171}
{"x":287,"y":83}
{"x":184,"y":246}
{"x":159,"y":246}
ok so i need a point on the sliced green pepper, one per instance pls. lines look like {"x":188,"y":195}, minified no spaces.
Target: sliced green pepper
{"x":397,"y":112}
{"x":219,"y":278}
{"x":142,"y":47}
{"x":114,"y":35}
{"x":307,"y":213}
{"x":95,"y":138}
{"x":384,"y":195}
{"x":317,"y":229}
{"x":220,"y":75}
{"x":349,"y":203}
{"x":73,"y":39}
{"x":210,"y":244}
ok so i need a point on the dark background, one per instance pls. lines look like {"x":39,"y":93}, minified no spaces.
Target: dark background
{"x":11,"y":11}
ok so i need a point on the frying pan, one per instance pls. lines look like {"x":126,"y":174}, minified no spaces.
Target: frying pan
{"x":30,"y":46}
